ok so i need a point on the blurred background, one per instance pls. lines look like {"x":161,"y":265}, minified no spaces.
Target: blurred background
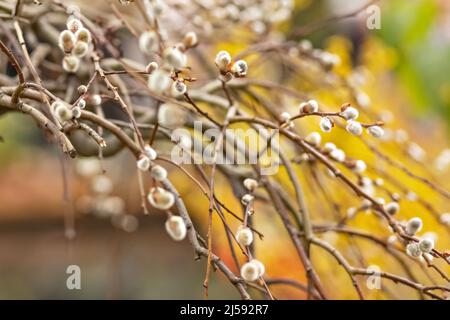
{"x":407,"y":66}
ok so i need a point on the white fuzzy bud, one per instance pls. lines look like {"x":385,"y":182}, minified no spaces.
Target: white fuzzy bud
{"x":178,"y":89}
{"x":354,"y":128}
{"x":379,"y":182}
{"x":81,"y":49}
{"x":81,"y":104}
{"x":151,"y":153}
{"x":246,"y":199}
{"x":250,"y":184}
{"x":176,"y":228}
{"x":143,"y":163}
{"x":261,"y":268}
{"x":360,"y":166}
{"x":325,"y":124}
{"x":190,"y":40}
{"x":175,"y":58}
{"x":160,"y":198}
{"x":309,"y":106}
{"x":223,"y":59}
{"x":71,"y":63}
{"x":152,"y":66}
{"x":413,"y":250}
{"x":66,"y":41}
{"x":338,"y":155}
{"x":392,"y":208}
{"x":250,"y":271}
{"x":82,"y":89}
{"x":148,"y":42}
{"x":375,"y":131}
{"x":244,"y":236}
{"x":96,"y":100}
{"x":413,"y":225}
{"x":284,"y":117}
{"x":83,"y":35}
{"x":350,"y":113}
{"x":158,"y":173}
{"x":314,"y":138}
{"x":416,"y":152}
{"x":239,"y":69}
{"x":329,"y":147}
{"x":62,"y":111}
{"x":74,"y":24}
{"x":76,"y":112}
{"x":445,"y":218}
{"x":426,"y":245}
{"x":159,"y":81}
{"x":305,"y":46}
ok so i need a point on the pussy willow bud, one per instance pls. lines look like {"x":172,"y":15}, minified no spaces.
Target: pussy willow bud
{"x":175,"y":58}
{"x":83,"y":35}
{"x":426,"y":245}
{"x":190,"y":40}
{"x":250,"y":271}
{"x":337,"y":155}
{"x":284,"y":117}
{"x":96,"y":100}
{"x":158,"y":173}
{"x":392,"y":208}
{"x":354,"y":127}
{"x":314,"y":138}
{"x":250,"y":184}
{"x":143,"y":163}
{"x":74,"y":24}
{"x":81,"y":104}
{"x":350,"y":113}
{"x":329,"y":147}
{"x":152,"y":66}
{"x":309,"y":106}
{"x":325,"y":124}
{"x":244,"y":236}
{"x":239,"y":69}
{"x":378,"y":182}
{"x":375,"y":131}
{"x":413,"y":250}
{"x":176,"y":228}
{"x":71,"y":63}
{"x":66,"y":41}
{"x":159,"y":81}
{"x":360,"y":166}
{"x":246,"y":199}
{"x":81,"y":49}
{"x":160,"y":198}
{"x":82,"y":89}
{"x":178,"y":89}
{"x":76,"y":112}
{"x":148,"y":42}
{"x":305,"y":46}
{"x":261,"y":268}
{"x":413,"y":225}
{"x":416,"y":152}
{"x":62,"y":112}
{"x":223,"y":59}
{"x":151,"y":153}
